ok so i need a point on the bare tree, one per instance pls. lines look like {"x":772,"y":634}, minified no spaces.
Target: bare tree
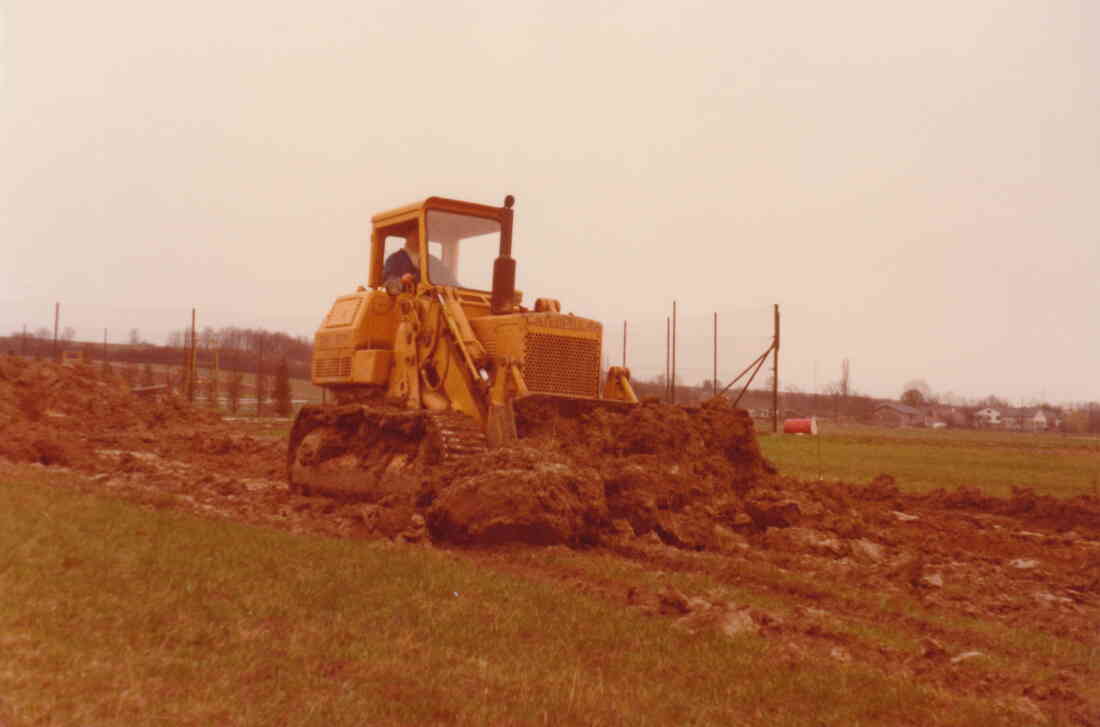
{"x":916,"y":392}
{"x":233,"y":385}
{"x":950,"y":398}
{"x":861,"y":407}
{"x":135,"y":336}
{"x":208,"y":338}
{"x":68,"y":333}
{"x":259,"y":344}
{"x":832,"y":392}
{"x":262,"y":392}
{"x":994,"y":402}
{"x":283,"y":402}
{"x":212,"y":390}
{"x":1093,"y":417}
{"x":839,"y":391}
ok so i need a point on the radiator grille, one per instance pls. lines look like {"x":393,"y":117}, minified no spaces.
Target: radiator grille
{"x":324,"y":368}
{"x":561,"y":364}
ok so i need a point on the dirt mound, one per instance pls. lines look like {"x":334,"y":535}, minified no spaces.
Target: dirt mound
{"x":693,"y":479}
{"x":579,"y":477}
{"x":520,"y":494}
{"x":711,"y":441}
{"x":57,"y":414}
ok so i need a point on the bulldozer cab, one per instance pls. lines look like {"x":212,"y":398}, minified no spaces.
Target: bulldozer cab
{"x":459,"y":242}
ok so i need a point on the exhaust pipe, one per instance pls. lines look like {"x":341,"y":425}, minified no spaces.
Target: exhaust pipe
{"x":504,"y":267}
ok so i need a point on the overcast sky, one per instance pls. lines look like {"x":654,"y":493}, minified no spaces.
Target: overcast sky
{"x":915,"y":184}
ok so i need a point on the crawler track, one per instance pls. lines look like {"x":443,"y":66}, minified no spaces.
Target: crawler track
{"x":346,"y":450}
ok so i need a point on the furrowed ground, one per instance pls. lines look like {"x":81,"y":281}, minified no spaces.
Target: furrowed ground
{"x":138,"y":587}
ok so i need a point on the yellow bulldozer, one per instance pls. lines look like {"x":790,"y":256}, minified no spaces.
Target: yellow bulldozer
{"x":429,"y":361}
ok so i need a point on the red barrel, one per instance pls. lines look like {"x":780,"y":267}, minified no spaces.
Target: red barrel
{"x":800,"y":426}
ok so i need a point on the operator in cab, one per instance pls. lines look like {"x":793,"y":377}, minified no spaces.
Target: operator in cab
{"x":404,"y":265}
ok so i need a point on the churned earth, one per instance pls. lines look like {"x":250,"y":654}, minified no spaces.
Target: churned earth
{"x":638,"y":507}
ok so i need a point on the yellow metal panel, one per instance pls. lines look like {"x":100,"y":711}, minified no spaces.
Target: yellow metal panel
{"x":509,"y":341}
{"x":371,"y":367}
{"x":343,"y":312}
{"x":377,"y":322}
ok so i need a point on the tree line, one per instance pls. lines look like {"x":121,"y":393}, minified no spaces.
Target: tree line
{"x":247,"y":350}
{"x":223,"y":357}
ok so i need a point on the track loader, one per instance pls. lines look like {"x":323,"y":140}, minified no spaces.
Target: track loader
{"x":429,"y":364}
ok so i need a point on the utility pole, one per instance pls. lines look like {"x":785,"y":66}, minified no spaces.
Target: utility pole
{"x":668,"y":353}
{"x":215,"y":381}
{"x":624,"y":344}
{"x":775,"y":375}
{"x":673,"y":384}
{"x":714,"y":379}
{"x":56,"y":319}
{"x":260,"y":384}
{"x":191,"y":363}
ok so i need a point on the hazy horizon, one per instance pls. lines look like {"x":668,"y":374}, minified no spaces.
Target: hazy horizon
{"x":913,"y":185}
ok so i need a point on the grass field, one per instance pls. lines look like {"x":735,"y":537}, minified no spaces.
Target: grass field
{"x":924,"y":459}
{"x":112,"y":614}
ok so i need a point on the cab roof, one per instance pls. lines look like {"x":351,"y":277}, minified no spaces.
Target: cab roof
{"x":402,"y":214}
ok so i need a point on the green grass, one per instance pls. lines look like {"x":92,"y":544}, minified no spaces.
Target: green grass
{"x":923,"y":460}
{"x":114,"y":614}
{"x":699,"y":582}
{"x":1045,"y":646}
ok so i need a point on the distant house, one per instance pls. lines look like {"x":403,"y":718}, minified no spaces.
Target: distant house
{"x":938,"y":416}
{"x":891,"y":414}
{"x":987,"y":417}
{"x":1032,"y":419}
{"x":1053,"y":417}
{"x":1023,"y":419}
{"x":953,"y":416}
{"x":1014,"y":418}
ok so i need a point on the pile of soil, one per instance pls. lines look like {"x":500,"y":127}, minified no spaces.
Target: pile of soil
{"x":60,"y":415}
{"x":579,"y":478}
{"x":580,"y":473}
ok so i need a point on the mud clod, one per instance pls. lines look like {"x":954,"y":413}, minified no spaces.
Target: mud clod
{"x":523,"y":496}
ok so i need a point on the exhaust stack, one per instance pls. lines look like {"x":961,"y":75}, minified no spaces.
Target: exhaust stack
{"x":504,"y":267}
